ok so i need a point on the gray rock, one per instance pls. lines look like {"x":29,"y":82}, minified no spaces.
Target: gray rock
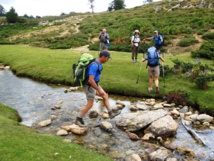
{"x":140,"y":119}
{"x":164,"y":126}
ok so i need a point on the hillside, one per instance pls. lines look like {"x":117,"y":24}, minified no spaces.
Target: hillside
{"x":175,"y":20}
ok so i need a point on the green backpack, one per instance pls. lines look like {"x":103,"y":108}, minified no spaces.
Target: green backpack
{"x":80,"y":69}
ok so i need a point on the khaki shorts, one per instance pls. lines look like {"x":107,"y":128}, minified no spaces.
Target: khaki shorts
{"x":154,"y":70}
{"x":90,"y":92}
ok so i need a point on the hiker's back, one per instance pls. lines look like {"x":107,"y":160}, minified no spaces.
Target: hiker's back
{"x":152,"y":57}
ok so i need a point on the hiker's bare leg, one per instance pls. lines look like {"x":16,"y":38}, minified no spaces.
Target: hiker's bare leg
{"x":156,"y":81}
{"x":87,"y":107}
{"x":150,"y":81}
{"x":105,"y":100}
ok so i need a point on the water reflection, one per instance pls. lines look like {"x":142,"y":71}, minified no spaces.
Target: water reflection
{"x":34,"y":100}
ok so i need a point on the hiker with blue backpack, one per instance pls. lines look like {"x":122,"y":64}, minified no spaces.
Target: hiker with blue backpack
{"x":135,"y":42}
{"x":158,"y":40}
{"x":153,"y":64}
{"x":91,"y":86}
{"x":104,"y":40}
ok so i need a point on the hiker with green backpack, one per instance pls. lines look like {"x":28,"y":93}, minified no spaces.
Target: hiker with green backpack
{"x":90,"y":83}
{"x":153,"y":64}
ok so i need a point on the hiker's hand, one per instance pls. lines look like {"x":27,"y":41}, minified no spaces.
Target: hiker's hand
{"x":143,"y":59}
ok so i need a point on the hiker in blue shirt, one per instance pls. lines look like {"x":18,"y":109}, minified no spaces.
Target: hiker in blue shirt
{"x":158,"y":39}
{"x":153,"y":57}
{"x":92,"y":88}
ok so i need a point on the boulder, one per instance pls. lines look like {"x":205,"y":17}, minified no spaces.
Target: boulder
{"x":138,"y":120}
{"x":163,"y":127}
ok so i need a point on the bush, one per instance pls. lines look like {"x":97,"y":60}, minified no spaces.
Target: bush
{"x":208,"y":36}
{"x":202,"y":81}
{"x":179,"y":97}
{"x":187,"y":42}
{"x":206,"y":50}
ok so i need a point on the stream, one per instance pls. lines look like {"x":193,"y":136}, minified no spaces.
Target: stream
{"x":33,"y":100}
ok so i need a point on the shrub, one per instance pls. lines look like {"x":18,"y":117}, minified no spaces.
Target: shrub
{"x":206,"y":50}
{"x":202,"y":81}
{"x":179,"y":97}
{"x":208,"y":36}
{"x":187,"y":42}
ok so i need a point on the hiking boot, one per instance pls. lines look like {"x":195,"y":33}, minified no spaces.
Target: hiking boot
{"x":113,"y":114}
{"x":79,"y":121}
{"x":150,"y":89}
{"x":157,"y":90}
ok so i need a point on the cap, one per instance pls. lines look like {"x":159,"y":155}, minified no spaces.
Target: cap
{"x":137,"y":31}
{"x":155,"y":31}
{"x":105,"y":53}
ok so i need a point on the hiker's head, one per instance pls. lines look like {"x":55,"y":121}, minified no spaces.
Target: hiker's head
{"x":136,"y":32}
{"x":104,"y":31}
{"x":156,"y":32}
{"x":104,"y":56}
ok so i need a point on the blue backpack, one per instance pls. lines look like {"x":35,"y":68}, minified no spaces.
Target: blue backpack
{"x":153,"y":59}
{"x":160,"y":38}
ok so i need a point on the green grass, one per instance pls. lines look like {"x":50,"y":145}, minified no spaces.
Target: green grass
{"x":118,"y":77}
{"x":21,"y":143}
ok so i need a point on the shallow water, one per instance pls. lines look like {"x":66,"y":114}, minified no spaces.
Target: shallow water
{"x":33,"y":100}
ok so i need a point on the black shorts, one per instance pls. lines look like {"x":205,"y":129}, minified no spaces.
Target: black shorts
{"x":158,"y":47}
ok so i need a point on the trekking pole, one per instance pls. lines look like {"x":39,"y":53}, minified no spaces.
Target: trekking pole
{"x":163,"y":72}
{"x":139,"y":71}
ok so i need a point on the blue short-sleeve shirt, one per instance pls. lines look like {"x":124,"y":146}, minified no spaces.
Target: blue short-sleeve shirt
{"x":157,"y":39}
{"x":95,"y":70}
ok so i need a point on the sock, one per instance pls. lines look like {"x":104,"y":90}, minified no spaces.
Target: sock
{"x":79,"y":116}
{"x":109,"y":109}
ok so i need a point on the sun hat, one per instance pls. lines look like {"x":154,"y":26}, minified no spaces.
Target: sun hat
{"x":155,"y":31}
{"x":105,"y":53}
{"x":137,"y":31}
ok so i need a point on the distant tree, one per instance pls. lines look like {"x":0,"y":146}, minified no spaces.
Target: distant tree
{"x":147,"y":1}
{"x":116,"y":5}
{"x":111,"y":6}
{"x":2,"y":10}
{"x":12,"y":16}
{"x":91,"y":3}
{"x":26,"y":16}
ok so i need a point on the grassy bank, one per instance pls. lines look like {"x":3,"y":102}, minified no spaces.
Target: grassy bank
{"x":20,"y":143}
{"x":119,"y":74}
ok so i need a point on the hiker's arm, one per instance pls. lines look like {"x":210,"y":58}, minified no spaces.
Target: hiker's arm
{"x":95,"y":86}
{"x":162,"y":59}
{"x":147,"y":39}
